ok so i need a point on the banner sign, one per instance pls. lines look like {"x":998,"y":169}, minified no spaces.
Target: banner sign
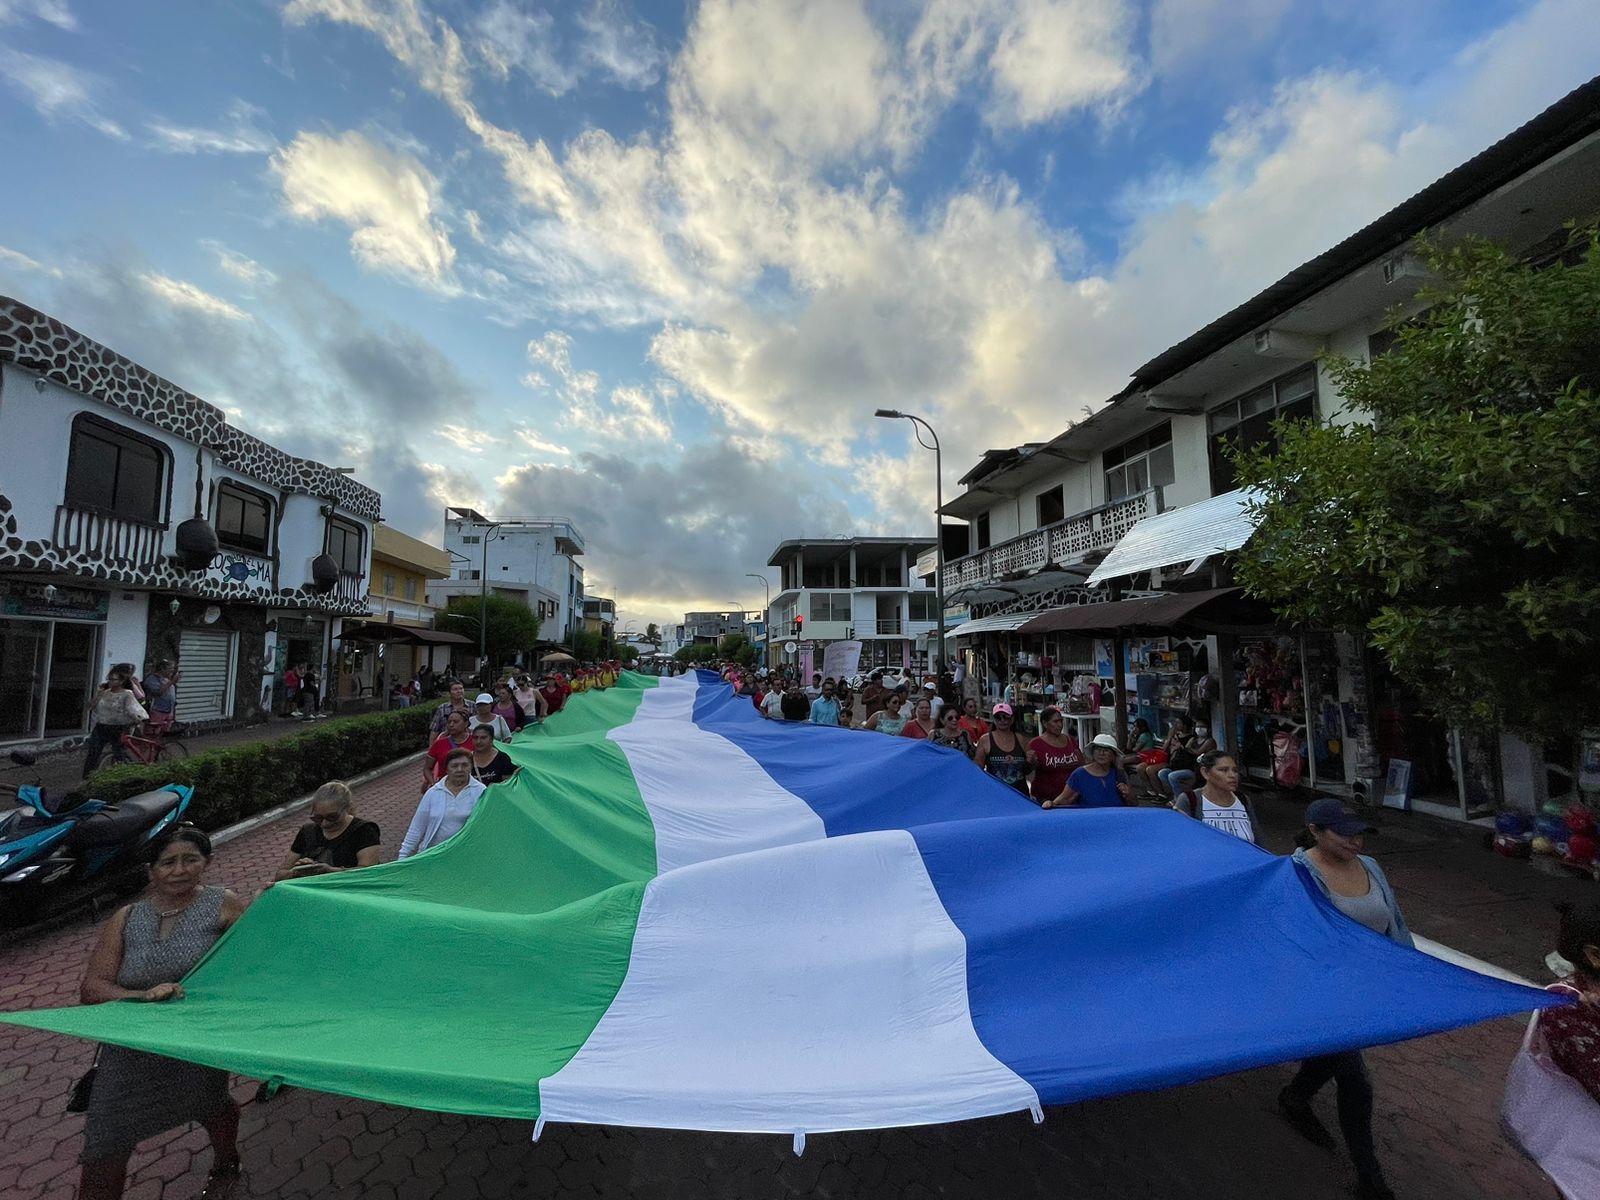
{"x":841,"y":660}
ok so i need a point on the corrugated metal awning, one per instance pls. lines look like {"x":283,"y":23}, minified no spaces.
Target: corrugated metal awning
{"x":1184,"y":535}
{"x":1220,"y":606}
{"x":1000,"y":624}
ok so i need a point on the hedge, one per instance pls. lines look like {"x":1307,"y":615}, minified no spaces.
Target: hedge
{"x":235,"y":782}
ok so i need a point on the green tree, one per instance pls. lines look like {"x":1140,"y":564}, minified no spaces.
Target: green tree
{"x":1458,"y":525}
{"x":627,"y":653}
{"x":585,"y":646}
{"x":652,"y":633}
{"x":737,"y":648}
{"x":512,"y":626}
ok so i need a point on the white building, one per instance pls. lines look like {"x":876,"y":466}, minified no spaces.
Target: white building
{"x":865,"y":588}
{"x":531,"y":559}
{"x":1139,"y":499}
{"x":137,"y":524}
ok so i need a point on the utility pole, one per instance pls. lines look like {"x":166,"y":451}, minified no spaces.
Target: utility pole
{"x":938,"y":518}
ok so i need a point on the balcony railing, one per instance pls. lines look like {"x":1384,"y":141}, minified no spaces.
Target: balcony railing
{"x":887,"y":625}
{"x":112,"y":541}
{"x":1065,"y":542}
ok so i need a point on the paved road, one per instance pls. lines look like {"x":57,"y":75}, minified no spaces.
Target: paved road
{"x":1436,"y":1109}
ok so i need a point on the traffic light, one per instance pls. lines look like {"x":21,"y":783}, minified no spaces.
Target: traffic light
{"x":799,"y":626}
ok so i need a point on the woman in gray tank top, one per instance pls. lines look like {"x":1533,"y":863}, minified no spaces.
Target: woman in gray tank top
{"x":143,"y":952}
{"x":1356,"y":886}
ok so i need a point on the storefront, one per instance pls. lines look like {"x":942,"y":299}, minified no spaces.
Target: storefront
{"x":50,"y":645}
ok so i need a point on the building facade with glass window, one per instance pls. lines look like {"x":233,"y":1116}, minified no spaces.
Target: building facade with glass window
{"x":864,"y":589}
{"x":101,"y":463}
{"x":1054,"y":525}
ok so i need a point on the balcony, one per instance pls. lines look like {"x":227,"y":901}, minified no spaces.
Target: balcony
{"x":106,"y":540}
{"x":888,"y":627}
{"x":1074,"y":540}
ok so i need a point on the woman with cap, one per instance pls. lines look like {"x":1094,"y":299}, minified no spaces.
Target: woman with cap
{"x":1053,"y":755}
{"x":1002,"y":753}
{"x":1099,"y":783}
{"x":484,"y":714}
{"x":1330,"y":852}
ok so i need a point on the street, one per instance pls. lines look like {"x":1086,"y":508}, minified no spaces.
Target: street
{"x":1437,"y":1098}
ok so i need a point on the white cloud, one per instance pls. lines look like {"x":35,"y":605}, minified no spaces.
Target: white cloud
{"x":389,"y":199}
{"x":241,"y":134}
{"x":510,"y":38}
{"x":622,"y":48}
{"x":241,"y":267}
{"x":186,"y":295}
{"x":1054,"y":56}
{"x":57,"y":89}
{"x":22,"y":262}
{"x":53,"y":12}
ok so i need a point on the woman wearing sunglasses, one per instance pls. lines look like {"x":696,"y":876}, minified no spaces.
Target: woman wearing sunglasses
{"x":335,"y":839}
{"x":1002,"y":753}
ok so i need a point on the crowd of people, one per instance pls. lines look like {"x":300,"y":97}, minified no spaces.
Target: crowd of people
{"x":145,"y":950}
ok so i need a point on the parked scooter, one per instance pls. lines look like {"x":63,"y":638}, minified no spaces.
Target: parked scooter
{"x":53,"y":856}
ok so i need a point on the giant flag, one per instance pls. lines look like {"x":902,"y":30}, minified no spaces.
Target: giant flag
{"x":682,"y":915}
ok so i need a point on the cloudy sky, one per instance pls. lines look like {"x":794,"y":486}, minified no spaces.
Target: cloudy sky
{"x":652,"y":266}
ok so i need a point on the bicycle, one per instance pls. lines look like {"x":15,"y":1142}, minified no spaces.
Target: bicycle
{"x":148,"y":744}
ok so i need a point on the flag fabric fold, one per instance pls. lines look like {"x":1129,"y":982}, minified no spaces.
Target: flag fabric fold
{"x":680,"y":915}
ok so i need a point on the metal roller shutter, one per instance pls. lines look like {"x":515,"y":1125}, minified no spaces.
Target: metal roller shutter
{"x":206,"y":659}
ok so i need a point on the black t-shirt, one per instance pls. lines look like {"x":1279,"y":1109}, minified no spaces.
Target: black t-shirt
{"x":340,"y":851}
{"x":499,"y":769}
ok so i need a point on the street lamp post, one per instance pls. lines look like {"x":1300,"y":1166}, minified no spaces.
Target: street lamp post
{"x":483,"y":600}
{"x":766,"y":611}
{"x":938,"y":518}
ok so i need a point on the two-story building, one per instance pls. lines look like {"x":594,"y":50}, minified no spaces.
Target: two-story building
{"x":1138,"y":505}
{"x":533,"y":560}
{"x":137,"y":524}
{"x":399,"y":638}
{"x":708,"y":628}
{"x":864,"y":589}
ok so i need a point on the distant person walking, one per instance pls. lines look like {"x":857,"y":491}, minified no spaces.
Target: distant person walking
{"x":113,"y":713}
{"x":161,"y":693}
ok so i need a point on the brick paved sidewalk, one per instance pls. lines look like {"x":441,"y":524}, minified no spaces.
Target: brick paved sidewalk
{"x":1437,"y":1102}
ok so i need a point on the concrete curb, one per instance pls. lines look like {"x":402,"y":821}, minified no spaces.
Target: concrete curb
{"x":251,"y":824}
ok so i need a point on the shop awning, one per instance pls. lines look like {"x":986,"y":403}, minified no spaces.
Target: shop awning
{"x":383,"y":631}
{"x":1000,"y":624}
{"x":1190,"y":534}
{"x":1215,"y":606}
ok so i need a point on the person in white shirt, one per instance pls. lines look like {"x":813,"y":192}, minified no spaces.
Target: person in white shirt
{"x":445,"y":806}
{"x":485,"y":714}
{"x":772,"y":702}
{"x":1218,"y":802}
{"x":930,"y":693}
{"x":114,"y":712}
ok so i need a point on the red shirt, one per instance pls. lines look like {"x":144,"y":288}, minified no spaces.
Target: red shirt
{"x":913,"y":730}
{"x":976,"y":727}
{"x":442,"y":745}
{"x":1052,"y":765}
{"x":1573,"y":1036}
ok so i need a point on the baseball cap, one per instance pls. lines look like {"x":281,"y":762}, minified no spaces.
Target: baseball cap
{"x":484,"y":698}
{"x":1105,"y":740}
{"x":928,"y":687}
{"x":1000,"y":708}
{"x":1328,"y":813}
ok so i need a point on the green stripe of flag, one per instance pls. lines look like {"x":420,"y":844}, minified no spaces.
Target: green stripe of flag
{"x":470,"y":972}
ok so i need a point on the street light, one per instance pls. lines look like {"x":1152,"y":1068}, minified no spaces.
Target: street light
{"x":938,"y":520}
{"x":766,"y":610}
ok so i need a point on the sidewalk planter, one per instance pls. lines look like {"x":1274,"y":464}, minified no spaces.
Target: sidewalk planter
{"x":239,"y":781}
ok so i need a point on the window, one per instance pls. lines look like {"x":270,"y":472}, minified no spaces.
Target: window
{"x":924,"y":606}
{"x":830,"y":606}
{"x":983,"y":532}
{"x":470,"y":539}
{"x":1052,"y":506}
{"x":1139,"y":464}
{"x":411,"y":587}
{"x":388,"y":585}
{"x":114,"y":471}
{"x":1247,"y":421}
{"x":344,"y":543}
{"x":244,"y":518}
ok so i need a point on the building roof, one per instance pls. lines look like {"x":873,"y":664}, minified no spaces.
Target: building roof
{"x":786,"y":549}
{"x":389,"y":543}
{"x":1190,"y":534}
{"x":1566,"y":122}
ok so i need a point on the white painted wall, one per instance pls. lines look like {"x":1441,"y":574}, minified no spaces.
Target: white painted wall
{"x":519,"y":557}
{"x":127,"y":619}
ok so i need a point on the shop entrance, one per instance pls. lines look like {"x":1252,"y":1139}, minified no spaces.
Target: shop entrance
{"x":1445,"y":772}
{"x":47,"y":677}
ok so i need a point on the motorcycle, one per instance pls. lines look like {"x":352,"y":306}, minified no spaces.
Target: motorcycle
{"x":52,"y":855}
